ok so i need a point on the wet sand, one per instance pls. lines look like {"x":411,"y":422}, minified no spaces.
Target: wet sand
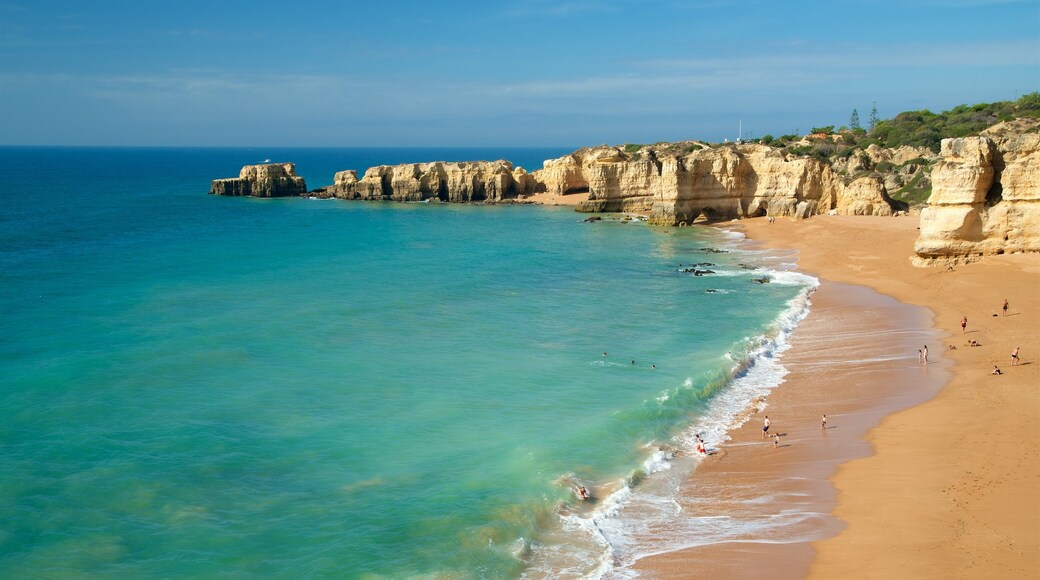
{"x":946,"y":487}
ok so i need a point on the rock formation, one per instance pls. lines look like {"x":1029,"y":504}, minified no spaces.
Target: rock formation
{"x":985,"y":198}
{"x":673,"y":183}
{"x":268,"y":180}
{"x":454,"y":182}
{"x":679,"y":185}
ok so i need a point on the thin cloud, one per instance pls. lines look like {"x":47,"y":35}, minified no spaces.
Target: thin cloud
{"x":541,"y":8}
{"x":867,"y":56}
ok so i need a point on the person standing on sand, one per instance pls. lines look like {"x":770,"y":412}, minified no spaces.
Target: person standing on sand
{"x":776,"y":440}
{"x":1005,"y":307}
{"x":765,"y":427}
{"x":964,"y":323}
{"x":1014,"y":356}
{"x":924,"y":354}
{"x":823,"y":422}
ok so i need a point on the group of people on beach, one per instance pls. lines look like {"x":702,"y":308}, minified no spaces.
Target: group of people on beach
{"x":964,"y":325}
{"x":776,"y":436}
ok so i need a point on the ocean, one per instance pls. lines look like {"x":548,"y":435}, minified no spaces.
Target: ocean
{"x":196,"y":386}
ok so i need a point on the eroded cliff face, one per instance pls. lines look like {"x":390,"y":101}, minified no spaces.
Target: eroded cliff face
{"x":679,"y":185}
{"x":267,"y":180}
{"x":454,"y":182}
{"x":985,"y":199}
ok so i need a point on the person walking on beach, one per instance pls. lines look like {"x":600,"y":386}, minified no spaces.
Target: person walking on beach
{"x":964,"y":323}
{"x":1005,"y":307}
{"x":776,"y":440}
{"x":1014,"y":356}
{"x":924,"y":354}
{"x":765,"y":427}
{"x":823,"y":422}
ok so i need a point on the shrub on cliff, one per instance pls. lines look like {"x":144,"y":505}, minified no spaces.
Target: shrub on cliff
{"x":927,"y":129}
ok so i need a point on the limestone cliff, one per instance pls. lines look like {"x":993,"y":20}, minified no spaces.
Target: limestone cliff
{"x":985,"y":198}
{"x":679,"y":183}
{"x":454,"y":182}
{"x":268,"y":180}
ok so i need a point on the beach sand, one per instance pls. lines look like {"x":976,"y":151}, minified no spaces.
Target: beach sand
{"x":946,"y":487}
{"x":555,"y":199}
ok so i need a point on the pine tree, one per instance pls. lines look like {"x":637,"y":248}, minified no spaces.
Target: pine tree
{"x":873,"y":117}
{"x":854,"y":121}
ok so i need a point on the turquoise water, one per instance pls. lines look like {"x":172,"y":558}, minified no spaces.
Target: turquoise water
{"x":194,"y":385}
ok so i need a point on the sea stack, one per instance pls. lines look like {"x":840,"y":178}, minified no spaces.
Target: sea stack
{"x":267,"y":180}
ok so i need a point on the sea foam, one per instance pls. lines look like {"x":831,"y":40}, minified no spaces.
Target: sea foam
{"x":628,"y":524}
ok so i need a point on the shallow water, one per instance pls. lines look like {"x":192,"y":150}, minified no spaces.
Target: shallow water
{"x":193,"y":385}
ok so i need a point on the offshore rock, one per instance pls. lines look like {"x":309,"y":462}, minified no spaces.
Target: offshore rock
{"x":985,"y":199}
{"x":465,"y":181}
{"x":267,"y":180}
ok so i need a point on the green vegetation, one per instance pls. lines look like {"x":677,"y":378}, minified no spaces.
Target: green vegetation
{"x":928,"y":129}
{"x":914,"y":192}
{"x":826,"y":130}
{"x":632,"y":147}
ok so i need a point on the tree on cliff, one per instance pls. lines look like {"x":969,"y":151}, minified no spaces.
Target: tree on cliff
{"x":874,"y":120}
{"x":854,"y":120}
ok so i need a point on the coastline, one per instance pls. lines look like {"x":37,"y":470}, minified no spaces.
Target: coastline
{"x":950,"y":487}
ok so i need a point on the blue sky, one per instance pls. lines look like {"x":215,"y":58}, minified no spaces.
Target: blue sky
{"x":469,"y":73}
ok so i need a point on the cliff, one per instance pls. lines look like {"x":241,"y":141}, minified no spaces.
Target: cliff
{"x":453,"y":182}
{"x":985,"y":197}
{"x":679,"y":183}
{"x":268,"y":180}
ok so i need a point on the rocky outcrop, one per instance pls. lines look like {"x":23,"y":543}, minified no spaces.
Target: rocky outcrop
{"x":564,"y":175}
{"x":985,"y":199}
{"x":268,"y":180}
{"x":492,"y":181}
{"x":897,"y":156}
{"x":677,"y":185}
{"x":864,"y":196}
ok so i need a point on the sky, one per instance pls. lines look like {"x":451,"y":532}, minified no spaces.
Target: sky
{"x":385,"y":73}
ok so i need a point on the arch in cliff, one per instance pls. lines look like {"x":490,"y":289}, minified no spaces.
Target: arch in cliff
{"x":708,"y":214}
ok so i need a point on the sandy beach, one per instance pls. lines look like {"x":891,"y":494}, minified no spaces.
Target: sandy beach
{"x":924,"y":470}
{"x":545,"y":198}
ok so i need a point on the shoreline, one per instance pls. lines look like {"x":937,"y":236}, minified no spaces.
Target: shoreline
{"x":914,"y":498}
{"x":786,"y":487}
